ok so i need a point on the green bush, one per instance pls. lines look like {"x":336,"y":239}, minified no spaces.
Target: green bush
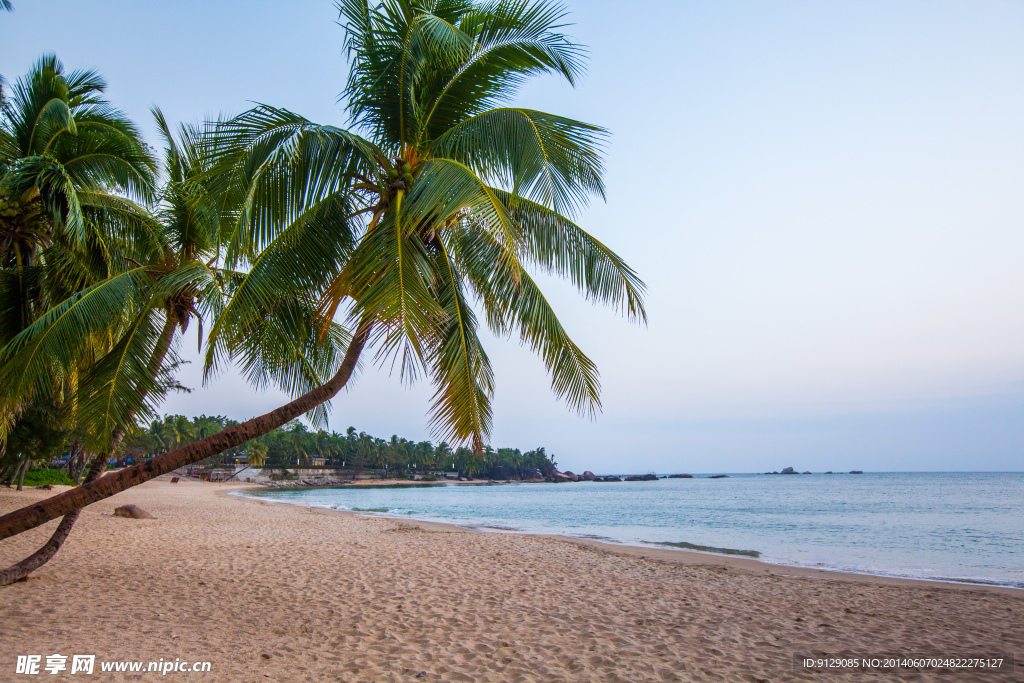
{"x":428,"y":477}
{"x":42,"y":476}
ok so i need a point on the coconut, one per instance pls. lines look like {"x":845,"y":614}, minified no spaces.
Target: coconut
{"x":406,"y":168}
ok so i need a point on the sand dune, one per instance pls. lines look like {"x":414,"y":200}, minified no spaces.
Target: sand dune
{"x":275,"y":592}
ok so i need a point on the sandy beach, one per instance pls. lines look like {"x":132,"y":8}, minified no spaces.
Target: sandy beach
{"x":276,"y":592}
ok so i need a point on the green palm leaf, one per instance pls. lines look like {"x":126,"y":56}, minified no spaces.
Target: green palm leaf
{"x":551,"y":159}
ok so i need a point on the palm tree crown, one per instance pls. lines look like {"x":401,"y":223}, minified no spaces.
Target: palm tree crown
{"x":438,"y":197}
{"x":71,"y":169}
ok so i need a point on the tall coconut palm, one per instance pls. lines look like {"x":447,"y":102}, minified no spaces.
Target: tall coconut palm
{"x":71,"y":168}
{"x":439,"y":196}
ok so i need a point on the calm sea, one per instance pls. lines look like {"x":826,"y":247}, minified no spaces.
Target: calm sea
{"x":946,"y":526}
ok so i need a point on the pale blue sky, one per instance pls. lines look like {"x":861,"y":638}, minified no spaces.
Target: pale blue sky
{"x":825,"y":199}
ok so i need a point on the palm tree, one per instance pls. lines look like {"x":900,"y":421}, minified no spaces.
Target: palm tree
{"x":256,"y":453}
{"x":144,"y":309}
{"x":442,"y":197}
{"x":72,"y":168}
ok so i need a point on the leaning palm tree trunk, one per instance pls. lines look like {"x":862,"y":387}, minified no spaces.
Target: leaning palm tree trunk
{"x":71,"y":501}
{"x":40,"y":557}
{"x":22,"y":569}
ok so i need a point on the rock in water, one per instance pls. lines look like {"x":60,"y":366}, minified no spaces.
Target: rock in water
{"x":587,"y":475}
{"x":680,"y":476}
{"x":133,"y":512}
{"x":856,"y":471}
{"x":788,"y":470}
{"x":719,"y":476}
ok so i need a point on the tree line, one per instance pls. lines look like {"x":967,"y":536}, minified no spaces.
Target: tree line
{"x":295,"y":446}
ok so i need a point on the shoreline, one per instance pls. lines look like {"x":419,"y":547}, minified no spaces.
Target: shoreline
{"x":280,"y":592}
{"x":682,"y":556}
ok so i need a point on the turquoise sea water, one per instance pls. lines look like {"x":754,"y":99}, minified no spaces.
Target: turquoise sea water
{"x":946,"y":526}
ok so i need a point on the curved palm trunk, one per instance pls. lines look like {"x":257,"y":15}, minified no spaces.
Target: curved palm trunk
{"x":40,"y":557}
{"x":22,"y":569}
{"x":64,"y":504}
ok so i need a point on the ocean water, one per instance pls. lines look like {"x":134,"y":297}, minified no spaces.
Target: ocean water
{"x":943,"y":526}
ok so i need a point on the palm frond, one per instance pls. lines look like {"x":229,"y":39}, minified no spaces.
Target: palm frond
{"x":551,"y":159}
{"x":513,"y":302}
{"x":560,"y":246}
{"x":461,"y":370}
{"x":45,"y":354}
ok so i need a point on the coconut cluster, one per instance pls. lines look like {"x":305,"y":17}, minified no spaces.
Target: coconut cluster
{"x":9,"y":208}
{"x":401,"y":171}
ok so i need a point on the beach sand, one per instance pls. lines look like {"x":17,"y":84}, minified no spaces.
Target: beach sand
{"x":273,"y":592}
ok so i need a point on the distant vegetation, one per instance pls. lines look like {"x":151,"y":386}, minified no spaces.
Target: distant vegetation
{"x":294,"y":445}
{"x":43,"y":476}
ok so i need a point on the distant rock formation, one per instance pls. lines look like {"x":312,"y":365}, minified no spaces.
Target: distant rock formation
{"x":788,"y":470}
{"x":808,"y":472}
{"x":719,"y":476}
{"x":644,"y":477}
{"x":856,"y":471}
{"x":607,"y":478}
{"x":503,"y":473}
{"x":680,"y":476}
{"x":532,"y":474}
{"x":587,"y":476}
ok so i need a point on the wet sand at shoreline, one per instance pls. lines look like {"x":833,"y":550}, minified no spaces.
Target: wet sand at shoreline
{"x":268,"y":591}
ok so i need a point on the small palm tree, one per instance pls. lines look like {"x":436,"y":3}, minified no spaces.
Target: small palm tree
{"x":256,"y":453}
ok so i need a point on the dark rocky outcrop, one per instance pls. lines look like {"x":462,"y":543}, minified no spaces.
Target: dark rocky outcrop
{"x":587,"y":476}
{"x":856,"y":471}
{"x":680,"y":476}
{"x":503,"y":473}
{"x":608,"y":478}
{"x":532,"y":473}
{"x":788,"y":470}
{"x":807,"y":472}
{"x":133,"y":512}
{"x":645,"y":477}
{"x":719,"y":476}
{"x":829,"y":472}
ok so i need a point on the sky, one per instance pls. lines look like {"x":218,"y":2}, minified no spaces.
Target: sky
{"x":826,"y":201}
